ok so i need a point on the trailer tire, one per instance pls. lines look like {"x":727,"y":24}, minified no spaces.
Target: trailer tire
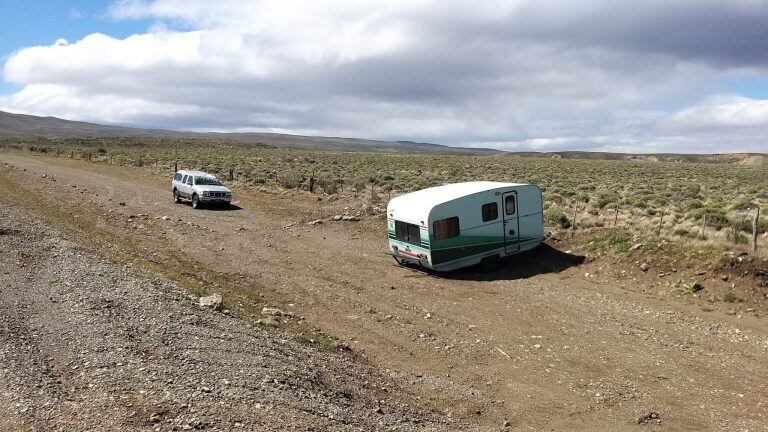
{"x":489,"y":264}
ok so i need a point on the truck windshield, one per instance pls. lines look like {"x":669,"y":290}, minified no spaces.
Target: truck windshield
{"x":207,"y":181}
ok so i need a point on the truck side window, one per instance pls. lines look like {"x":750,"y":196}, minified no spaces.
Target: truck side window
{"x":446,"y":228}
{"x":177,"y":177}
{"x":490,"y":211}
{"x":189,"y":180}
{"x":509,"y":204}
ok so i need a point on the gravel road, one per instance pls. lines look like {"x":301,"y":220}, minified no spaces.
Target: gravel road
{"x":90,"y":345}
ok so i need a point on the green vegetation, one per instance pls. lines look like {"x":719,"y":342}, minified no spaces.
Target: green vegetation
{"x":681,"y":199}
{"x":619,"y":242}
{"x":730,"y":297}
{"x":692,"y":288}
{"x":553,"y":216}
{"x":320,"y":341}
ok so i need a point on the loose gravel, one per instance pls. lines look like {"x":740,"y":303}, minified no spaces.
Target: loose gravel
{"x":90,"y":345}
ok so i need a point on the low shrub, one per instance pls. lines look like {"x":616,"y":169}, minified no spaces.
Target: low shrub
{"x":554,"y":216}
{"x":716,"y":217}
{"x":692,"y":288}
{"x":746,"y":225}
{"x":619,"y":242}
{"x":693,"y":204}
{"x":288,"y":179}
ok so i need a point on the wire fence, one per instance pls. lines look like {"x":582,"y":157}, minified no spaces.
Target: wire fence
{"x":663,"y":221}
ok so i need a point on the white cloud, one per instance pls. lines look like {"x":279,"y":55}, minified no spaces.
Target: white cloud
{"x":68,"y":103}
{"x":723,"y":112}
{"x":506,"y":74}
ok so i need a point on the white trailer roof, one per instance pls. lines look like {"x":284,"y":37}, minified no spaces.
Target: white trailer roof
{"x":414,"y":207}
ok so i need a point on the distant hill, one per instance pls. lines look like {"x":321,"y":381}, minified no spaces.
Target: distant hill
{"x":755,"y":160}
{"x":29,"y":126}
{"x":26,"y":126}
{"x":751,"y":159}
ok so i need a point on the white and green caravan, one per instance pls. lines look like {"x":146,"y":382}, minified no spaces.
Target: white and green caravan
{"x":462,"y":224}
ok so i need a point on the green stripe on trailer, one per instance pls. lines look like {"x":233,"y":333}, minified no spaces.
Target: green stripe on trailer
{"x":444,"y":255}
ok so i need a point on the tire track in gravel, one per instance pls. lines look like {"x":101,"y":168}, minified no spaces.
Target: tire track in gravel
{"x":135,"y":353}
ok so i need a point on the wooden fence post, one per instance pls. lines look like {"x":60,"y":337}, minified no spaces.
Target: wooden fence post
{"x":703,"y":225}
{"x":312,"y":182}
{"x":755,"y":227}
{"x":616,"y":217}
{"x":231,"y":173}
{"x":661,"y":221}
{"x":575,"y":210}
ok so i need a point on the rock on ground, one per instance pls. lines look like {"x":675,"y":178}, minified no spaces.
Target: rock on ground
{"x":212,"y":301}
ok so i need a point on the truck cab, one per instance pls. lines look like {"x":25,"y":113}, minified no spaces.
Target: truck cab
{"x":199,"y":188}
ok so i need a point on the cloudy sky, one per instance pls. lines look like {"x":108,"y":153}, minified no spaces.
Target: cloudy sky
{"x":651,"y":76}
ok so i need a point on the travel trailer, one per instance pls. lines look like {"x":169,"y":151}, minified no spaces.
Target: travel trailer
{"x":457,"y":225}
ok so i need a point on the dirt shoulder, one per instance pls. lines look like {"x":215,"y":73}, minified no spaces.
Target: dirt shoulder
{"x":548,"y":342}
{"x":89,"y":345}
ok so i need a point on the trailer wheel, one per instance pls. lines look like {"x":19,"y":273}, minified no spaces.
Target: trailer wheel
{"x":489,"y":264}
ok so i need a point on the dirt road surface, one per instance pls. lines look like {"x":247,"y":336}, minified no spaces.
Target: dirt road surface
{"x":535,"y":346}
{"x":89,"y":345}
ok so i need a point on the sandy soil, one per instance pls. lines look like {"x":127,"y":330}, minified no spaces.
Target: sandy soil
{"x":548,"y":342}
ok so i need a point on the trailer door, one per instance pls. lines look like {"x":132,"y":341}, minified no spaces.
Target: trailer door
{"x":511,"y":222}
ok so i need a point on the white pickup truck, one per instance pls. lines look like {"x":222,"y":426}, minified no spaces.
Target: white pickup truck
{"x":199,"y":188}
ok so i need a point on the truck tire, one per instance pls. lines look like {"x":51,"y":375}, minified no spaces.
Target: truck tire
{"x":195,"y":202}
{"x":176,"y":197}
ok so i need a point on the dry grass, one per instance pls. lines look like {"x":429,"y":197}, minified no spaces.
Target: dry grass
{"x":584,"y":192}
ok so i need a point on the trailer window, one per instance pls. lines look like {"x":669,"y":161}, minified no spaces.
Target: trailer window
{"x":446,"y":228}
{"x":490,"y":211}
{"x":408,"y":233}
{"x":509,"y":204}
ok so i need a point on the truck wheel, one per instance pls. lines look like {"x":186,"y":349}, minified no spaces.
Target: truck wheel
{"x":195,"y":202}
{"x":176,"y":197}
